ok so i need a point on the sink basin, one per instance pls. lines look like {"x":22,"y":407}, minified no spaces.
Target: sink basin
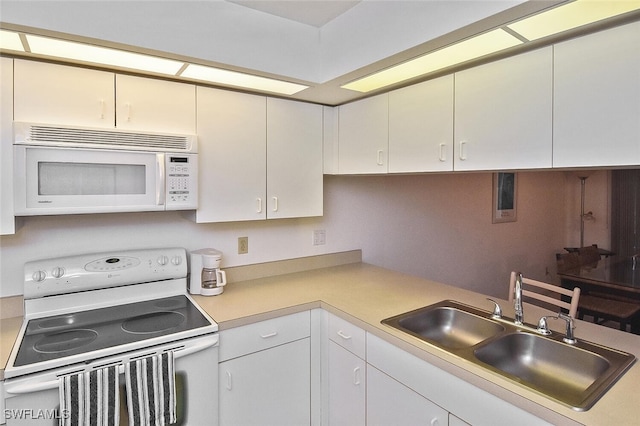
{"x":449,"y":325}
{"x":564,"y":372}
{"x":575,"y":375}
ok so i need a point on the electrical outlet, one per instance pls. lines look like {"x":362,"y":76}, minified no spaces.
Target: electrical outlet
{"x":243,"y":245}
{"x":319,"y":237}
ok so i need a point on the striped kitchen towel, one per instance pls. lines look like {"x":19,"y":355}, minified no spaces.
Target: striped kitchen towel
{"x":90,"y":398}
{"x":151,"y":394}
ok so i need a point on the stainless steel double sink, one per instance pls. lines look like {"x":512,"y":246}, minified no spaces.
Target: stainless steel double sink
{"x":576,"y":375}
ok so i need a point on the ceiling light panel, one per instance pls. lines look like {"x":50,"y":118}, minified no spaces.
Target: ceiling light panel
{"x":10,"y":41}
{"x":102,"y":55}
{"x":571,"y":15}
{"x":236,"y":79}
{"x":472,"y":48}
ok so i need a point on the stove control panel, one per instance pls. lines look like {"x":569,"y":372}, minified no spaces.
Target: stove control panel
{"x":49,"y":277}
{"x":112,"y":264}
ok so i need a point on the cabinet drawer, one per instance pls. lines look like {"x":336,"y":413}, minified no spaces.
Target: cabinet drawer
{"x":347,"y":335}
{"x":243,"y":340}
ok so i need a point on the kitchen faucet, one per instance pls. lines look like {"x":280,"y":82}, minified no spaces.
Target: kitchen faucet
{"x":519,"y":316}
{"x":568,"y":338}
{"x":543,"y":328}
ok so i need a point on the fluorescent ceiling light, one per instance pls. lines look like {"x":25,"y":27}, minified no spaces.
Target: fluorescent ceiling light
{"x":552,"y":21}
{"x":236,"y":79}
{"x":102,"y":55}
{"x":472,"y":48}
{"x":10,"y":41}
{"x":571,"y":15}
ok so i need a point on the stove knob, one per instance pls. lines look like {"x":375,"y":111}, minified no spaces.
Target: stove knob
{"x":39,"y":276}
{"x":57,"y":272}
{"x":163,"y":260}
{"x":176,"y":260}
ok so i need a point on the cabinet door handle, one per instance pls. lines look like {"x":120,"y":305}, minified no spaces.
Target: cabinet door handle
{"x":463,"y":153}
{"x":229,"y":382}
{"x":102,"y":109}
{"x":434,"y":422}
{"x":128,"y":107}
{"x":442,"y":155}
{"x":379,"y":159}
{"x":356,"y":376}
{"x":259,"y":205}
{"x":266,"y":336}
{"x":275,"y":203}
{"x":344,"y":336}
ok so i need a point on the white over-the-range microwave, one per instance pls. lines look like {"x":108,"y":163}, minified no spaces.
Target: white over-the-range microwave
{"x":74,"y":170}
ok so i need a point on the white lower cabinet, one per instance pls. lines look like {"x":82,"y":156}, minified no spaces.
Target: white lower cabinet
{"x":466,"y":402}
{"x":269,"y":375}
{"x":269,"y":387}
{"x":265,"y":373}
{"x":347,"y":387}
{"x":389,"y":402}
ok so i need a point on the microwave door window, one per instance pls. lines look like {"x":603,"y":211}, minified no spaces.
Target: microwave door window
{"x":60,"y":178}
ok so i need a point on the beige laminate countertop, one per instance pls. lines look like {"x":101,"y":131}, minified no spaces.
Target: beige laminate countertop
{"x":365,"y":294}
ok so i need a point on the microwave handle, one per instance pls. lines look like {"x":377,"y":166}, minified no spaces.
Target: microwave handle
{"x":161,"y":180}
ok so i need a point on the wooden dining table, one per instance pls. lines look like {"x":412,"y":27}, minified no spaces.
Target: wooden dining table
{"x":615,"y":275}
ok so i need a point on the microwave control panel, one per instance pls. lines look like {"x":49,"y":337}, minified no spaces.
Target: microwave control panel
{"x":182,"y":181}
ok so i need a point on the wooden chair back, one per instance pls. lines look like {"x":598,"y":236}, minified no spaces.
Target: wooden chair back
{"x":548,"y":294}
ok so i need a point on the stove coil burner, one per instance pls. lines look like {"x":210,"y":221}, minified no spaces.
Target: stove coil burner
{"x":154,"y":322}
{"x":65,"y":340}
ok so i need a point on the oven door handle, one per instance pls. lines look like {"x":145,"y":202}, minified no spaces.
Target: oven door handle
{"x":22,"y":388}
{"x":35,"y":385}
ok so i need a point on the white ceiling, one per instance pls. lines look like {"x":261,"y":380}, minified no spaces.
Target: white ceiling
{"x":311,"y":12}
{"x":323,"y":44}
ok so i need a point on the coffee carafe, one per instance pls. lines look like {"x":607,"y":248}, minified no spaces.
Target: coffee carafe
{"x":206,"y":276}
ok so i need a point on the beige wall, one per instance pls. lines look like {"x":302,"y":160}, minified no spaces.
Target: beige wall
{"x":439,"y":226}
{"x":435,"y":226}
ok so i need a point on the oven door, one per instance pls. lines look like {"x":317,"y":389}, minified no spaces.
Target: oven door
{"x":72,"y":180}
{"x":34,"y":399}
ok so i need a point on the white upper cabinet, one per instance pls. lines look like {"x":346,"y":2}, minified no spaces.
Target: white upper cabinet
{"x":259,"y":158}
{"x":7,"y":221}
{"x":294,"y":159}
{"x":363,"y":136}
{"x":232,"y":168}
{"x":597,"y":99}
{"x":59,"y":94}
{"x":421,"y":127}
{"x":503,"y":114}
{"x":155,"y":105}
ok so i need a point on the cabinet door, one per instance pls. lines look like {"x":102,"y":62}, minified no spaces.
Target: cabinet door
{"x":503,"y":113}
{"x":270,"y":387}
{"x":232,"y":165}
{"x":391,"y":403}
{"x":58,"y":94}
{"x":363,"y":136}
{"x":7,"y":221}
{"x":421,"y":127}
{"x":347,"y":387}
{"x":597,"y":99}
{"x":155,"y":105}
{"x":294,"y":159}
